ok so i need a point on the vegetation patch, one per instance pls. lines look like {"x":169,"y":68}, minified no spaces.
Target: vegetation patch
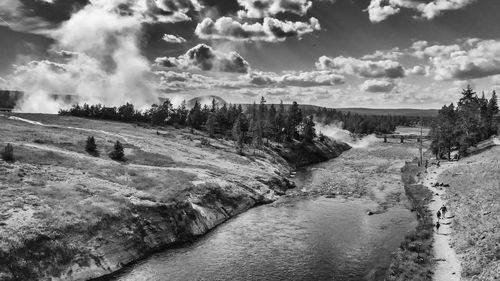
{"x":414,"y":258}
{"x":473,"y":196}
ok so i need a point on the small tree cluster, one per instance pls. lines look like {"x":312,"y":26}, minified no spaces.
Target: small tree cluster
{"x":465,"y":125}
{"x":8,"y":153}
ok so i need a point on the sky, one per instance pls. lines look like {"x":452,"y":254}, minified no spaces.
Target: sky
{"x":333,"y":53}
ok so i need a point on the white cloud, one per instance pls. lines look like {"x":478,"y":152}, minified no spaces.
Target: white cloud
{"x":470,"y":60}
{"x":264,"y":8}
{"x":297,"y":78}
{"x":392,"y":54}
{"x":378,"y":86}
{"x":170,"y":38}
{"x":361,"y":68}
{"x":380,"y":10}
{"x":271,"y":30}
{"x":417,"y":70}
{"x":205,"y":58}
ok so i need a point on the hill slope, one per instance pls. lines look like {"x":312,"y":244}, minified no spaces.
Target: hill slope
{"x":67,"y":215}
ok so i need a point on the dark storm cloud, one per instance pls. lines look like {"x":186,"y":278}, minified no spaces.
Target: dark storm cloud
{"x":206,"y":58}
{"x":271,"y":30}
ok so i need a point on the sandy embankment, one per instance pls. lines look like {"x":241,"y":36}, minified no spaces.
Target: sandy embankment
{"x":448,"y":266}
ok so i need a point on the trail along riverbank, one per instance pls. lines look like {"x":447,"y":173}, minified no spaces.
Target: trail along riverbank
{"x":447,"y":263}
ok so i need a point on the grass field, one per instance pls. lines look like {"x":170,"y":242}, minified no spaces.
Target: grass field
{"x":474,"y":198}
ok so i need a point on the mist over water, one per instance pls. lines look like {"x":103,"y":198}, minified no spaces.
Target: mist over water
{"x":335,"y":131}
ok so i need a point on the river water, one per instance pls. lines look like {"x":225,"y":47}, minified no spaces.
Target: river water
{"x":300,"y":237}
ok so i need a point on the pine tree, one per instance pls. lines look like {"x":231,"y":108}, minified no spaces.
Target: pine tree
{"x":91,"y":146}
{"x":118,"y":152}
{"x":211,"y":124}
{"x":8,"y":153}
{"x":238,"y":133}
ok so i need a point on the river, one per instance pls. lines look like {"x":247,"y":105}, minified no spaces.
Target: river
{"x":305,"y":236}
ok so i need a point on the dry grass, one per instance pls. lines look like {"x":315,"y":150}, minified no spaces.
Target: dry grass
{"x":474,"y":199}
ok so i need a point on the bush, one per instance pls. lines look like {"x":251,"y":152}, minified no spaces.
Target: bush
{"x":91,"y":146}
{"x":117,"y":153}
{"x":8,"y":154}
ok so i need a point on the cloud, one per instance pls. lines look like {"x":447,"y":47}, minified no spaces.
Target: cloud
{"x":271,"y":30}
{"x":171,"y":81}
{"x":37,"y":16}
{"x":417,"y":70}
{"x":361,"y":68}
{"x":170,"y":38}
{"x":297,"y":78}
{"x":264,"y":8}
{"x":380,"y":10}
{"x":392,"y":54}
{"x":378,"y":86}
{"x":472,"y":59}
{"x":205,"y":58}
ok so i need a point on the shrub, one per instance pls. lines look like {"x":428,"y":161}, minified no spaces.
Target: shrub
{"x":117,"y":153}
{"x":91,"y":146}
{"x":205,"y":142}
{"x":8,"y":154}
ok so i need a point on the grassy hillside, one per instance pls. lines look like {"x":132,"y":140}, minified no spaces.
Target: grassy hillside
{"x":473,"y":196}
{"x":68,"y":215}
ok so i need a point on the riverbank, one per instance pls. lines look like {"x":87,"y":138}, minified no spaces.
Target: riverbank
{"x":67,"y":215}
{"x":414,"y":260}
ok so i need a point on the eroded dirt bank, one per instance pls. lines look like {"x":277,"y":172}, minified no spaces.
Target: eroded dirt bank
{"x":66,"y":215}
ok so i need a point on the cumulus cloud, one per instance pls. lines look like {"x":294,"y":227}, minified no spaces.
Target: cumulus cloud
{"x":361,"y":68}
{"x":297,"y":78}
{"x":205,"y":58}
{"x":264,"y":8}
{"x":171,"y":81}
{"x":417,"y":70}
{"x":379,"y":10}
{"x":271,"y":30}
{"x":170,"y":38}
{"x":471,"y":59}
{"x":378,"y":86}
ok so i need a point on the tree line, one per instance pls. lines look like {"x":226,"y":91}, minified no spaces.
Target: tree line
{"x":252,"y":125}
{"x":464,"y":125}
{"x":249,"y":124}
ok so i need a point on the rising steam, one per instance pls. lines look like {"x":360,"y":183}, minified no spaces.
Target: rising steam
{"x":101,"y":62}
{"x":335,"y":131}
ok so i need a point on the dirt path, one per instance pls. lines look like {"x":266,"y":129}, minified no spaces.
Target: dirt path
{"x":448,"y":266}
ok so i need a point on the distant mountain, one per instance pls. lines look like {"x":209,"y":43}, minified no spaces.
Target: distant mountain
{"x":398,"y":111}
{"x":206,"y":100}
